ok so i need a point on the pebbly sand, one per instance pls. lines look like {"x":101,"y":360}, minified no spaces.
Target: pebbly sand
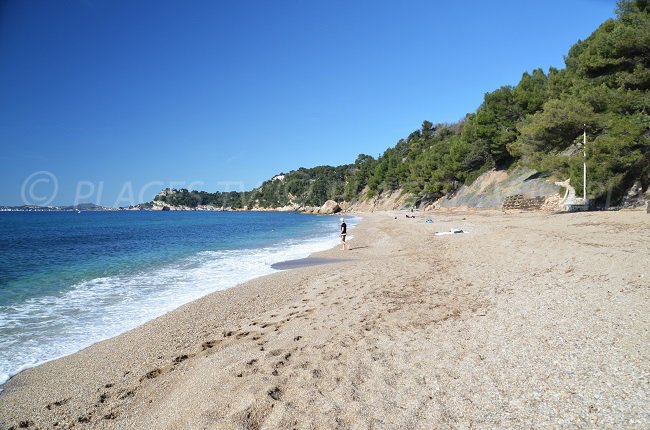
{"x":529,"y":320}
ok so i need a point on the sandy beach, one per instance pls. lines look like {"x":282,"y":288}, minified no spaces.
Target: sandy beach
{"x":527,"y":320}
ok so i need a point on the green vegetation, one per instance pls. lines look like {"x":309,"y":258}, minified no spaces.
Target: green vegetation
{"x":184,"y":197}
{"x":304,"y":187}
{"x":538,"y":123}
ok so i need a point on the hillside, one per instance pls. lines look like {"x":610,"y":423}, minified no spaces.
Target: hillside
{"x":537,"y":124}
{"x":302,"y":187}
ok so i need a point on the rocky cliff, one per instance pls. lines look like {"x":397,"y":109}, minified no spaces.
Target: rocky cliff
{"x":386,"y":201}
{"x":491,"y":189}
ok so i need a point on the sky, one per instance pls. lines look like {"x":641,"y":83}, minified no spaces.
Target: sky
{"x":110,"y":101}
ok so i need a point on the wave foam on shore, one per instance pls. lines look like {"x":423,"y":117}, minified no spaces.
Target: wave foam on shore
{"x":49,"y":327}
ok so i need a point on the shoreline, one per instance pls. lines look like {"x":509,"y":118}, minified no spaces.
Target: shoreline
{"x":323,"y":257}
{"x":323,"y":243}
{"x":304,"y":262}
{"x":528,"y":320}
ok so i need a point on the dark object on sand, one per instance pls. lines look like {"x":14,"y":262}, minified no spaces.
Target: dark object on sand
{"x":452,"y":231}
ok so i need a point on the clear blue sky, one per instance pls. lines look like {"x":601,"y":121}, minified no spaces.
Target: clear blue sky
{"x":126,"y":93}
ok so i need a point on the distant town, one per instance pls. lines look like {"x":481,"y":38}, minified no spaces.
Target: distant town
{"x":72,"y":208}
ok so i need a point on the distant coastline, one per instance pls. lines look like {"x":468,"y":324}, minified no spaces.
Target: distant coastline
{"x":143,"y":207}
{"x":329,"y":207}
{"x":31,"y":208}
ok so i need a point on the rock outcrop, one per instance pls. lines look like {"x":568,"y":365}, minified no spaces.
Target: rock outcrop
{"x":344,"y":205}
{"x":635,"y":197}
{"x":491,"y":189}
{"x":329,"y":207}
{"x":386,"y":201}
{"x":288,"y":208}
{"x":158,"y":205}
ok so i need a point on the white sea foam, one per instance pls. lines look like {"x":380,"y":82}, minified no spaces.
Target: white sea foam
{"x":45,"y":328}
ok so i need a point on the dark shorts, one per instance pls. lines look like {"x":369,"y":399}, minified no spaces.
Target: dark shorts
{"x":343,"y":237}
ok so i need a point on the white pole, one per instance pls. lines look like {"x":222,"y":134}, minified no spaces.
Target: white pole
{"x":584,"y":170}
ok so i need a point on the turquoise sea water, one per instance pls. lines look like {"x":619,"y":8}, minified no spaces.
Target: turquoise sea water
{"x":70,"y":279}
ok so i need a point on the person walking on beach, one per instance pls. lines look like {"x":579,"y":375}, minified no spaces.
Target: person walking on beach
{"x":344,"y":232}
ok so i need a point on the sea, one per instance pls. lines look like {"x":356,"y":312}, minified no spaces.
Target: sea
{"x":68,"y":279}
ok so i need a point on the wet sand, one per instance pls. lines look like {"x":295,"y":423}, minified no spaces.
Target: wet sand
{"x":305,"y":262}
{"x":529,"y":320}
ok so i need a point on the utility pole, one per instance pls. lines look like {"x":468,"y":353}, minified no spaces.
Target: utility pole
{"x":584,"y":170}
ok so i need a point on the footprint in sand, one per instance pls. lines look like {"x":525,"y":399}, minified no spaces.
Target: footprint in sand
{"x":275,"y":393}
{"x":209,"y":344}
{"x":152,"y":374}
{"x":255,"y":416}
{"x":181,"y":358}
{"x":58,"y":403}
